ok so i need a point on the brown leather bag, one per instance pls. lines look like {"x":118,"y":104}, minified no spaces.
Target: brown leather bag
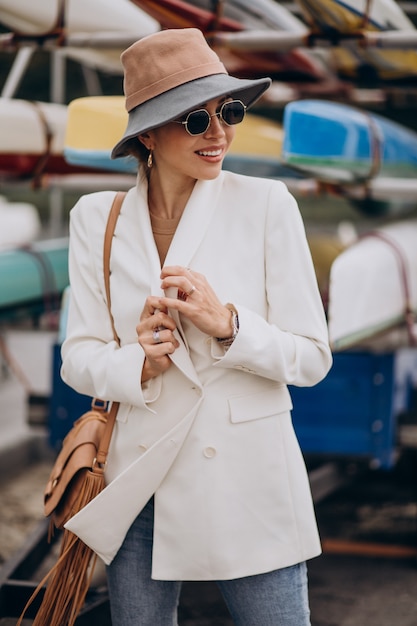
{"x":77,"y":457}
{"x":76,"y":478}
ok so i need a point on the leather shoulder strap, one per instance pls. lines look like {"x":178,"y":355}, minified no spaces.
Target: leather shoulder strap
{"x":108,"y":237}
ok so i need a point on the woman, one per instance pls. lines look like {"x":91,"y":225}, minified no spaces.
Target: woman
{"x":205,"y":479}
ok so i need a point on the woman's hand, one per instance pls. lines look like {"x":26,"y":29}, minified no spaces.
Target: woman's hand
{"x":196,"y":301}
{"x":155,"y":335}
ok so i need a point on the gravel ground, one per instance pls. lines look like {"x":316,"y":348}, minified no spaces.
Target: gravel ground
{"x":21,"y":507}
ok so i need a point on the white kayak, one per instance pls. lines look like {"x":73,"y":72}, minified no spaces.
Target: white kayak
{"x":32,"y":138}
{"x":24,"y":125}
{"x":372,"y":284}
{"x":19,"y":224}
{"x":92,"y":22}
{"x":76,"y":16}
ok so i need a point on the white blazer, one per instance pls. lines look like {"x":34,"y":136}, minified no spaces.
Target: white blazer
{"x":212,"y":437}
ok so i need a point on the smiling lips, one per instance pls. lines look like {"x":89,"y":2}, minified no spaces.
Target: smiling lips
{"x":210,"y":153}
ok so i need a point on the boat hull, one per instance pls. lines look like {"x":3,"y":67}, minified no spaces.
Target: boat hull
{"x":92,"y":20}
{"x":236,"y":16}
{"x":33,"y":278}
{"x":372,"y":285}
{"x":19,"y":224}
{"x":355,"y":61}
{"x":336,"y":142}
{"x":340,"y":144}
{"x":75,"y":16}
{"x":32,"y":139}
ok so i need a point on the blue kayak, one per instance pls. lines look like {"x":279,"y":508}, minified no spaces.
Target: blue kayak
{"x":33,"y":278}
{"x":339,"y":143}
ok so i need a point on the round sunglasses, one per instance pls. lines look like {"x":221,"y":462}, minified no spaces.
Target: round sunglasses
{"x":198,"y":122}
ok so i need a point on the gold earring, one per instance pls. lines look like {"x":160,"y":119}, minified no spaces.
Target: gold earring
{"x":150,"y":159}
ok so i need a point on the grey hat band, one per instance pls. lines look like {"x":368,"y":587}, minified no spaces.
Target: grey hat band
{"x":172,"y":104}
{"x":171,"y":81}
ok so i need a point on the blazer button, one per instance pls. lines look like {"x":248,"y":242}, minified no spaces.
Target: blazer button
{"x":209,"y":452}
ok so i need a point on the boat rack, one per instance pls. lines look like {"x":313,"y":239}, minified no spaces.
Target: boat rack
{"x":364,"y":410}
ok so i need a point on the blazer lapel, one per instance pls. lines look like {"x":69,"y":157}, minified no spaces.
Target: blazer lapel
{"x":189,"y":233}
{"x":147,"y":239}
{"x":194,"y":221}
{"x":188,"y":236}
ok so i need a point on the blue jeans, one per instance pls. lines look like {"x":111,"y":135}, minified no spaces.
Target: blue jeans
{"x":278,"y":598}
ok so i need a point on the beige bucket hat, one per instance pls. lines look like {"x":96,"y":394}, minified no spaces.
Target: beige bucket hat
{"x":168,"y":73}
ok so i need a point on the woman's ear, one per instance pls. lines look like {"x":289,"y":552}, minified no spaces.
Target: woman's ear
{"x":145,"y":139}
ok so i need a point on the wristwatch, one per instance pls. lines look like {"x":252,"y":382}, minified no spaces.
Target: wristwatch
{"x":227,"y":341}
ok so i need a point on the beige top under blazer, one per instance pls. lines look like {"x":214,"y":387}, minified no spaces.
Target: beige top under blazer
{"x":212,"y":437}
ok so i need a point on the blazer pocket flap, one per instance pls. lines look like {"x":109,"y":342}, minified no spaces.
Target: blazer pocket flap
{"x":260,"y":404}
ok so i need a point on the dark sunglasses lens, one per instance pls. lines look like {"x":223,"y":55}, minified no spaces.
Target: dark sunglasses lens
{"x":233,"y":112}
{"x":198,"y":122}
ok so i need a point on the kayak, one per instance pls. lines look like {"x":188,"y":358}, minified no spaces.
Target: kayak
{"x":354,"y":60}
{"x":91,"y":32}
{"x":373,"y":290}
{"x":243,"y":15}
{"x":33,"y":277}
{"x":19,"y":224}
{"x":32,"y":138}
{"x":341,"y":144}
{"x":75,"y":16}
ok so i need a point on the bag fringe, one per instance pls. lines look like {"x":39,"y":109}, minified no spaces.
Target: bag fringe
{"x":70,"y":577}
